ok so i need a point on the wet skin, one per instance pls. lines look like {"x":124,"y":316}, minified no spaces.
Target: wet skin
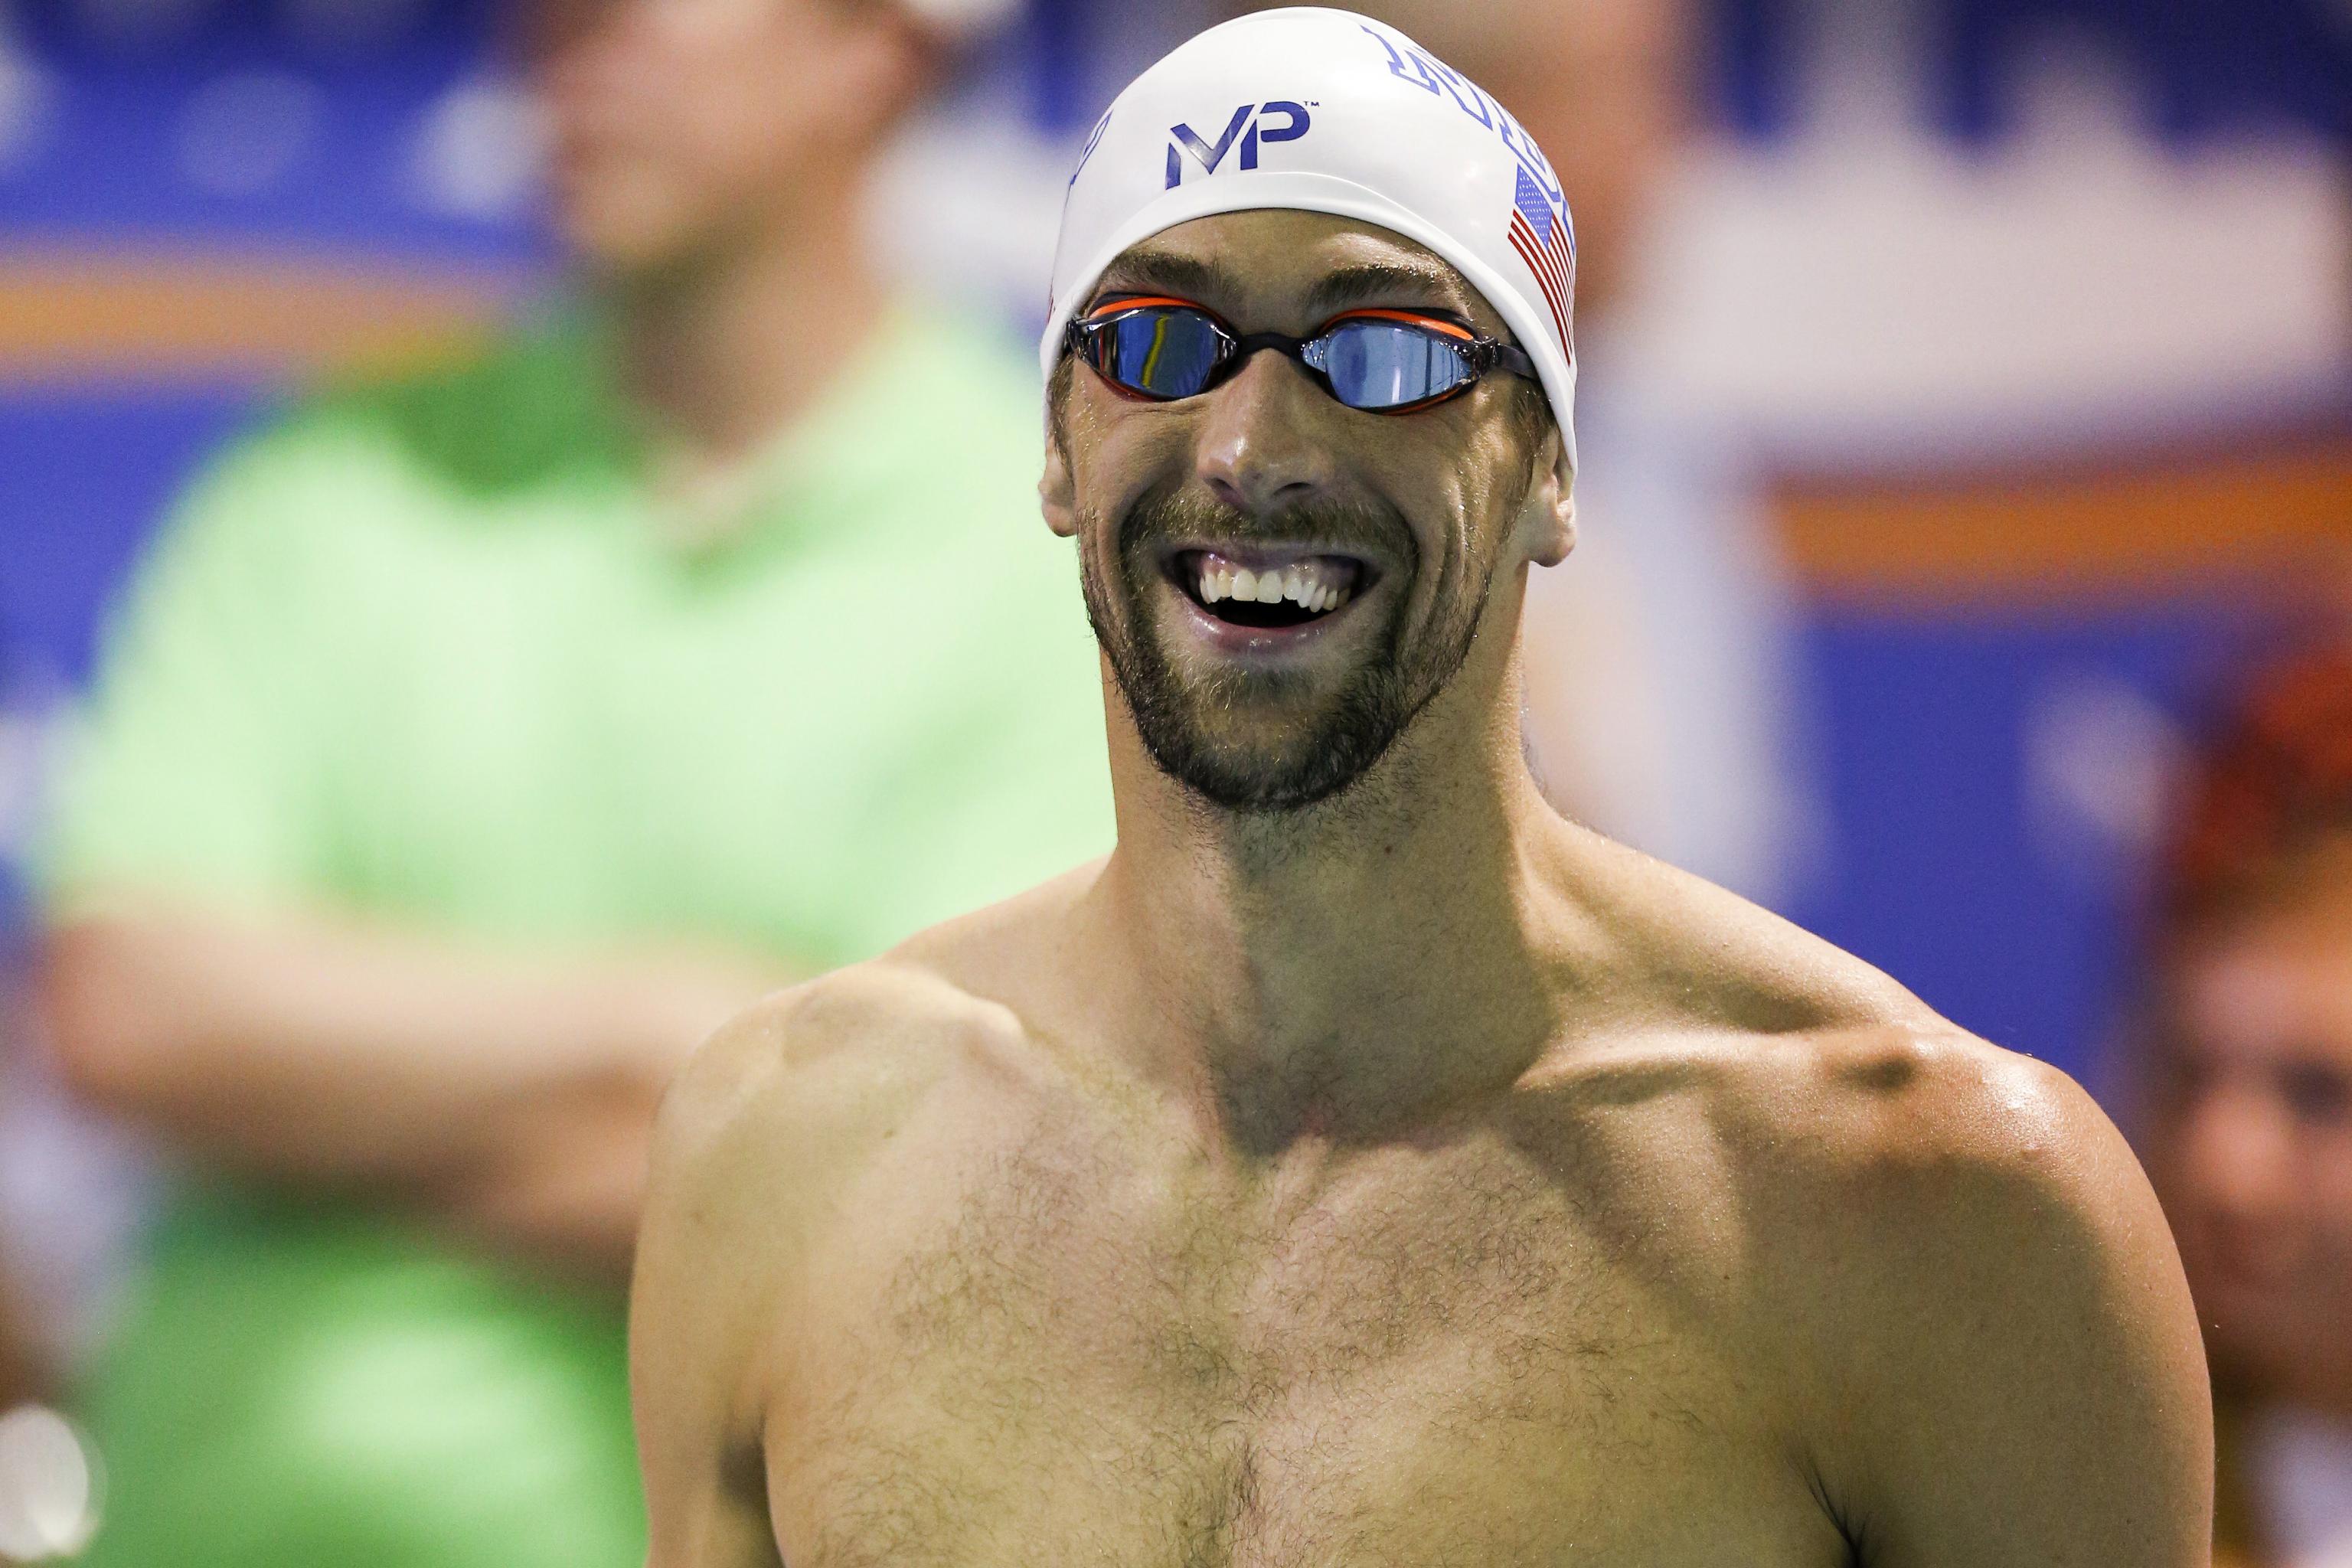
{"x":1403,"y":1176}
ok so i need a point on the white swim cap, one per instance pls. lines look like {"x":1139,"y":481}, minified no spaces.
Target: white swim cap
{"x":1326,"y":112}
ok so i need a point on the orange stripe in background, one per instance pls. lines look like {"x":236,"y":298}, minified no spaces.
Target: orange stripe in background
{"x":2022,"y":537}
{"x":68,"y":316}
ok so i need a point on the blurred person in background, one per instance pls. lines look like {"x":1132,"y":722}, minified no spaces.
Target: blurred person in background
{"x":23,"y":1369}
{"x":1661,"y":700}
{"x":469,"y":747}
{"x":2246,"y":1076}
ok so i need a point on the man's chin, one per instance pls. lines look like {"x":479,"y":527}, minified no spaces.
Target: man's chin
{"x":1250,"y":731}
{"x":1229,"y":764}
{"x":1247,"y":791}
{"x":1245,"y":782}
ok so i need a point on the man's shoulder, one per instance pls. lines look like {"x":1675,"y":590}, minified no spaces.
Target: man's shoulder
{"x":815,"y":1081}
{"x":1859,"y":1133}
{"x":1901,"y":1112}
{"x":831,"y":1063}
{"x":1928,"y":1223}
{"x":1894,"y":1216}
{"x":1833,"y":1120}
{"x":766,"y":1133}
{"x":1924,"y":1207}
{"x":1869,"y":1114}
{"x":1804,"y":1053}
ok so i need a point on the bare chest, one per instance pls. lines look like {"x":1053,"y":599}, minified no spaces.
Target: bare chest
{"x":1454,"y":1359}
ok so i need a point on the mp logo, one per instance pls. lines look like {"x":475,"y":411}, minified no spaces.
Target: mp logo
{"x":1250,"y":124}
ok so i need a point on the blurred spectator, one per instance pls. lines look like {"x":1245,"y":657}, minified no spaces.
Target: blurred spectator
{"x":1659,"y":682}
{"x":469,"y":747}
{"x":20,"y":1378}
{"x":66,"y":1192}
{"x":2247,"y":1129}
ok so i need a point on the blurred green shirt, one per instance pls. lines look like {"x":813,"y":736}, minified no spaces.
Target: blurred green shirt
{"x":434,"y":653}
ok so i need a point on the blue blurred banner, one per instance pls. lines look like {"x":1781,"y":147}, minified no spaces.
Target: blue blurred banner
{"x":360,"y":125}
{"x":2206,"y":67}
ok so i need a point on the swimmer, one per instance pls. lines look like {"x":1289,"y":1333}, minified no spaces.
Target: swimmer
{"x":1366,"y":1165}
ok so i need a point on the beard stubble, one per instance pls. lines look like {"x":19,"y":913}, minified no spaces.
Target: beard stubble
{"x":1319,"y":762}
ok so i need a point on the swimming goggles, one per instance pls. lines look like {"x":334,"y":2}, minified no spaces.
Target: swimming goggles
{"x":1381,"y":362}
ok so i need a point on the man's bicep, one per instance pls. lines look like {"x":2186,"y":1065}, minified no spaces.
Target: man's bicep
{"x":2100,"y":1461}
{"x":2038,"y":1393}
{"x":694,"y":1341}
{"x":704,"y":1505}
{"x":760,"y":1145}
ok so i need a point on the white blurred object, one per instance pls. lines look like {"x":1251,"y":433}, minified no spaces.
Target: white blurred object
{"x":967,"y":205}
{"x":2101,"y":761}
{"x":1868,"y":288}
{"x":26,"y":96}
{"x":49,"y":1487}
{"x":1665,"y":704}
{"x":2303,"y":1477}
{"x":967,"y":208}
{"x":73,"y":1189}
{"x":244,"y":133}
{"x":479,"y":150}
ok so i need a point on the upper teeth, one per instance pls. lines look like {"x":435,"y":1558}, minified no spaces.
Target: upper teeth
{"x":1309,"y":584}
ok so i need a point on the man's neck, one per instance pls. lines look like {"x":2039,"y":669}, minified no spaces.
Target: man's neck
{"x":722,"y":352}
{"x":1345,"y":970}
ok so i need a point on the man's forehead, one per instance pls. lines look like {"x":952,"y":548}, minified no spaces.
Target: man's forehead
{"x":1285,"y":261}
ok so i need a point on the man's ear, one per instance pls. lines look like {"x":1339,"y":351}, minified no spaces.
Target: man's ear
{"x":1548,"y":521}
{"x":1056,"y":495}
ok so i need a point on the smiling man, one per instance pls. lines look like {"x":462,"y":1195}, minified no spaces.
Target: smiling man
{"x":1366,"y":1165}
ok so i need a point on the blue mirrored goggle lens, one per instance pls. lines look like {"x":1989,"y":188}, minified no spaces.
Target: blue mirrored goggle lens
{"x":1160,"y":353}
{"x":1375,"y":364}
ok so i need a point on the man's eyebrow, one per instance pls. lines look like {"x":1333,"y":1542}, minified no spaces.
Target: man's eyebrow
{"x":1171,"y":272}
{"x":1389,"y":283}
{"x":1165,"y":272}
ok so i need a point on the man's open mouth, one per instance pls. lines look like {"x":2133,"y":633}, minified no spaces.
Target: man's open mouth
{"x":1268,"y":592}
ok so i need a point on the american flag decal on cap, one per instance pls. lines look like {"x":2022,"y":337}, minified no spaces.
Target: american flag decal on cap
{"x":1541,"y":237}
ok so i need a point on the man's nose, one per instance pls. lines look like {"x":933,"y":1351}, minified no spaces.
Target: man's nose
{"x":1257,"y":447}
